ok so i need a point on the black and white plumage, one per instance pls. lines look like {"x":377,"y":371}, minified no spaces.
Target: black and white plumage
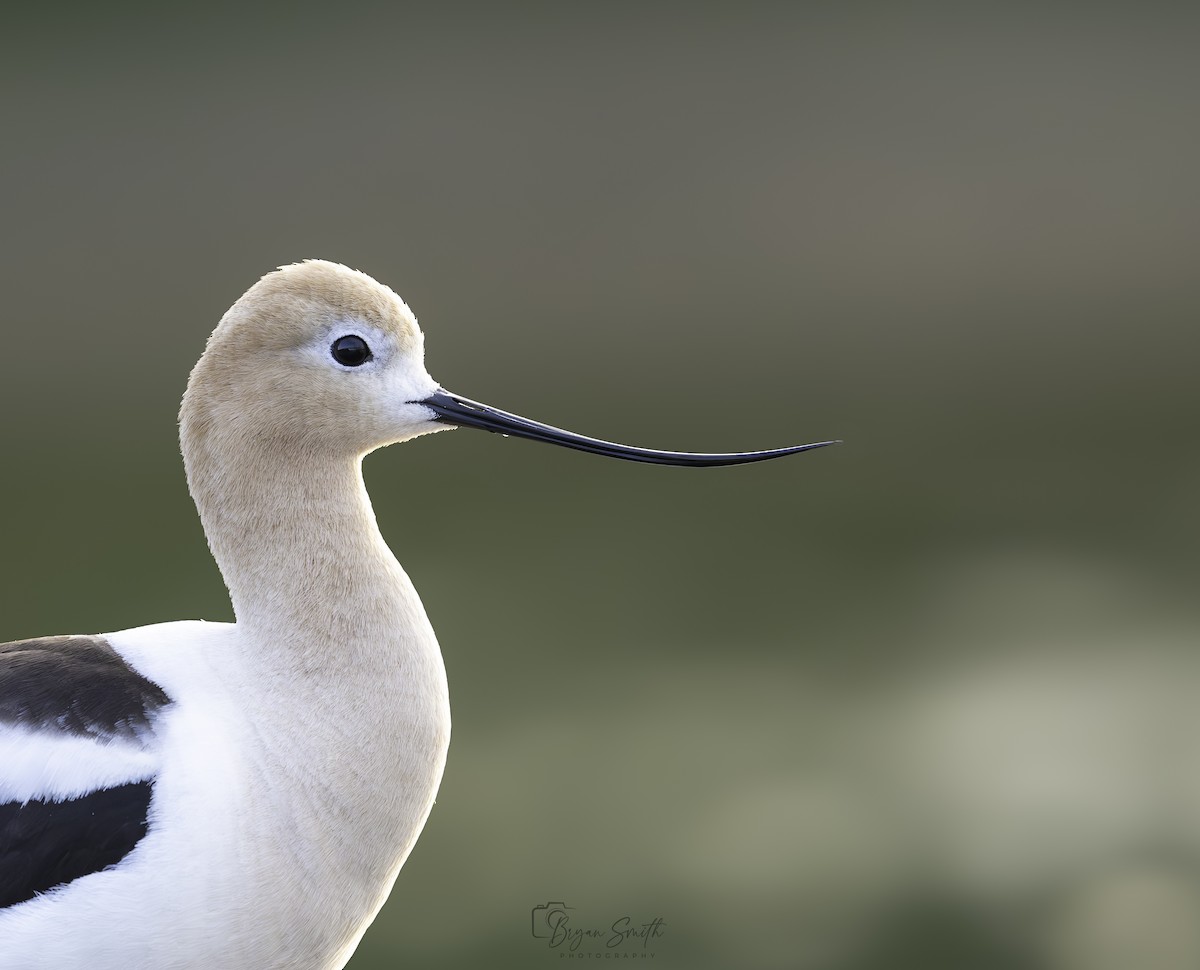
{"x":241,"y":796}
{"x":77,"y":685}
{"x":60,"y":818}
{"x":50,"y":842}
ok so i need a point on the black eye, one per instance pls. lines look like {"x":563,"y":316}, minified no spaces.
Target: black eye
{"x":351,"y":350}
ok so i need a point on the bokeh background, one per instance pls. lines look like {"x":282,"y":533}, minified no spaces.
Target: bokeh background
{"x":928,"y":699}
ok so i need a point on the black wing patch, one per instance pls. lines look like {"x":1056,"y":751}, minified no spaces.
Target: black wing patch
{"x":48,"y":844}
{"x":81,"y":686}
{"x":76,"y":684}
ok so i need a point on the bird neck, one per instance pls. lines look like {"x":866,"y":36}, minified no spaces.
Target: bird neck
{"x":296,"y":540}
{"x":329,"y":622}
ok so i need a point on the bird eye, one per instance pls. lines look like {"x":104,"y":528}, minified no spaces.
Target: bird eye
{"x":351,"y":351}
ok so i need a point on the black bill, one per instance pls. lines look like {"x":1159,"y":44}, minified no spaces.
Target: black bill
{"x":461,"y":411}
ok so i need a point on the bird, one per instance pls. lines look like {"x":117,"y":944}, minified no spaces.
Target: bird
{"x":243,"y":795}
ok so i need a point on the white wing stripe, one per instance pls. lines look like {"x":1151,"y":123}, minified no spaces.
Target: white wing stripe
{"x":56,"y":767}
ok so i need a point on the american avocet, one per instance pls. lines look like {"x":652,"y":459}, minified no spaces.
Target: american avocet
{"x":243,"y":795}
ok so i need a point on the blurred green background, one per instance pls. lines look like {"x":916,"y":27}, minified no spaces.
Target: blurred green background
{"x":925,"y":700}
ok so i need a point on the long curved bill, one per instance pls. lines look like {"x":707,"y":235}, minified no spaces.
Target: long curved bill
{"x":465,"y":413}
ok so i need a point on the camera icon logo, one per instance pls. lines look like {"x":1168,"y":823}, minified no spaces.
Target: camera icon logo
{"x":547,"y":917}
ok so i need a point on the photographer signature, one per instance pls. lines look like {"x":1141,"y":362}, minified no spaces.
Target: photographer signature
{"x":552,"y":923}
